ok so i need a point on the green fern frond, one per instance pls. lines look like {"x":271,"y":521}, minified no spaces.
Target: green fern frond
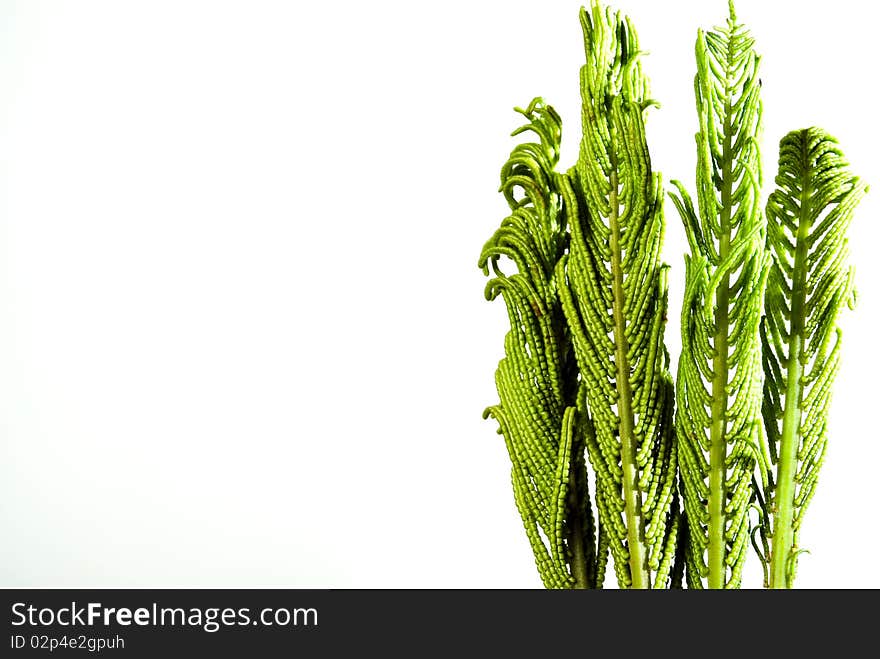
{"x":719,"y":375}
{"x":537,"y":383}
{"x":613,"y":292}
{"x":809,"y":283}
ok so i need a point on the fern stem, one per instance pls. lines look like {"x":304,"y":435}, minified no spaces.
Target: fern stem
{"x":718,"y":450}
{"x":579,"y":568}
{"x":630,"y":476}
{"x":783,"y":518}
{"x":718,"y":438}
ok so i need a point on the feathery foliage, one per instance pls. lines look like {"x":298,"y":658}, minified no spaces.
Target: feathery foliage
{"x":719,"y":376}
{"x":537,"y":378}
{"x":613,"y":291}
{"x":585,"y":369}
{"x":809,"y":283}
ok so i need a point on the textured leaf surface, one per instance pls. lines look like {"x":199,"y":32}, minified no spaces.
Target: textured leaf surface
{"x":718,"y":389}
{"x":809,"y":284}
{"x":537,"y":378}
{"x":613,"y":291}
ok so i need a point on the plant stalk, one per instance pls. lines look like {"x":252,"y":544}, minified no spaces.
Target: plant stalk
{"x":718,"y":433}
{"x":783,"y":500}
{"x":579,"y":568}
{"x":630,"y":472}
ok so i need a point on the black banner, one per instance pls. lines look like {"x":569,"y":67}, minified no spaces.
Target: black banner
{"x":170,"y":623}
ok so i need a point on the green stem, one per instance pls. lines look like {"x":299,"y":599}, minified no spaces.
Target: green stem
{"x":579,"y":569}
{"x":783,"y":517}
{"x":718,"y":432}
{"x":630,"y":475}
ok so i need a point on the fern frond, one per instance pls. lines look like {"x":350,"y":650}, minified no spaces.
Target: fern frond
{"x":809,"y":283}
{"x":719,"y":374}
{"x":613,"y":292}
{"x":537,"y":384}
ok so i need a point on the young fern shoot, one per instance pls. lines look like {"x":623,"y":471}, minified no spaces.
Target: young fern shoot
{"x":613,"y":292}
{"x":809,"y":283}
{"x":537,"y":379}
{"x":719,"y":376}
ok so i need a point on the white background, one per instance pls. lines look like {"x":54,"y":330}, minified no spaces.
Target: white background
{"x":243,"y":339}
